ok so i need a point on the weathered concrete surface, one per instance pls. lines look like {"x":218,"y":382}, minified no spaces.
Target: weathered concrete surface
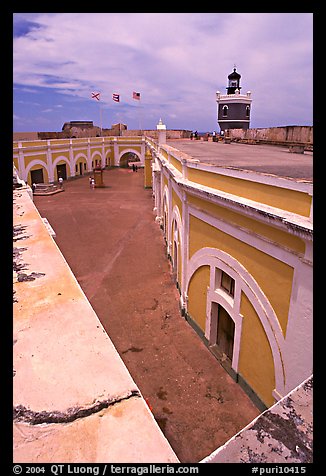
{"x":281,"y":434}
{"x":264,"y":159}
{"x":70,"y":385}
{"x":123,"y":433}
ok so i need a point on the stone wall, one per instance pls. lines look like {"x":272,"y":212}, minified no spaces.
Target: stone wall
{"x":284,"y":134}
{"x":170,"y":133}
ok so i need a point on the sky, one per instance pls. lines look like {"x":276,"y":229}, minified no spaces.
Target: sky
{"x":176,"y":61}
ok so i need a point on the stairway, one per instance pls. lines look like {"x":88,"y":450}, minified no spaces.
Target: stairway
{"x":46,"y":189}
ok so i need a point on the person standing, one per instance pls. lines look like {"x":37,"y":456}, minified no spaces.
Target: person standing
{"x":60,"y":182}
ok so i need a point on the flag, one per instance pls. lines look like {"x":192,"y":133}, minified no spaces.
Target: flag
{"x":136,"y":95}
{"x":96,"y":96}
{"x":116,"y":97}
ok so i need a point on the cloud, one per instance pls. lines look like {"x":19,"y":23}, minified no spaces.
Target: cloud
{"x":176,"y":60}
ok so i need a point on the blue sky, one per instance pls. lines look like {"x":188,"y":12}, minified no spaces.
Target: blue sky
{"x":176,"y":61}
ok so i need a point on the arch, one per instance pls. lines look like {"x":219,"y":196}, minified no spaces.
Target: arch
{"x":127,"y":151}
{"x":165,"y":212}
{"x":65,"y":159}
{"x":225,"y":110}
{"x":219,"y":260}
{"x":36,"y":162}
{"x":94,"y":154}
{"x":82,"y":159}
{"x":177,"y":245}
{"x":78,"y":156}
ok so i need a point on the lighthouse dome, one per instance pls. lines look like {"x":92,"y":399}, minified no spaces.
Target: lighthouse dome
{"x":234,"y":75}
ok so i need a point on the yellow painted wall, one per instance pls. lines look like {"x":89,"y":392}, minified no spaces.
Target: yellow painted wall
{"x":96,"y":149}
{"x":40,"y":157}
{"x":176,"y":201}
{"x":165,"y":154}
{"x":79,"y":141}
{"x":59,"y":141}
{"x":197,"y":295}
{"x":33,"y":143}
{"x":63,"y":153}
{"x":290,"y":200}
{"x":176,"y":163}
{"x":15,"y":160}
{"x":148,"y":171}
{"x":256,"y":363}
{"x":273,"y":276}
{"x":128,"y":147}
{"x":278,"y":236}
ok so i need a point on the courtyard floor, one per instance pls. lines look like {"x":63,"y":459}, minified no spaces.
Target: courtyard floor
{"x":117,"y":252}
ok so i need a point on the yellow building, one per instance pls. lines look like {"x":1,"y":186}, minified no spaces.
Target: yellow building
{"x":43,"y":161}
{"x":240,"y":244}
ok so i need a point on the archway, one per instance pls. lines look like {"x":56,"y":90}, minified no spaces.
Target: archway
{"x":36,"y":172}
{"x":221,"y":292}
{"x":63,"y":167}
{"x":128,"y":157}
{"x":223,"y":333}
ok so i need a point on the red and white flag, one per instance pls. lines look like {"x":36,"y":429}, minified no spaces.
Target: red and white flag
{"x":116,"y":97}
{"x":136,"y":95}
{"x":96,"y":96}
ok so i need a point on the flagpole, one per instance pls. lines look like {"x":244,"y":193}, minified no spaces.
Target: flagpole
{"x":140,"y":118}
{"x":100,"y":118}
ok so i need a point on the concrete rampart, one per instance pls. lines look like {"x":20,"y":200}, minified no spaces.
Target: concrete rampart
{"x":74,"y":399}
{"x":275,"y":135}
{"x":170,"y":133}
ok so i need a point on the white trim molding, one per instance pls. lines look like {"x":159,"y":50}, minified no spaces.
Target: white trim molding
{"x":244,"y":282}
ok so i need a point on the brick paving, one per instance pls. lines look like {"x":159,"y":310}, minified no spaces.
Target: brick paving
{"x":117,"y":252}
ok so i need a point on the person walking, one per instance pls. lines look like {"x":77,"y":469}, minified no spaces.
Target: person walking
{"x":60,"y":182}
{"x":93,"y":183}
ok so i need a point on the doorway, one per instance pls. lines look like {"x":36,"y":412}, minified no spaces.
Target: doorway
{"x":223,"y":335}
{"x":37,"y":176}
{"x":175,"y":263}
{"x":62,"y":171}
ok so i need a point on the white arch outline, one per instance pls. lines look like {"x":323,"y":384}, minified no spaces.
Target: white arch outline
{"x":165,"y":210}
{"x":65,"y":159}
{"x":177,"y":237}
{"x":245,"y":282}
{"x":78,"y":156}
{"x":36,"y":162}
{"x":126,"y":151}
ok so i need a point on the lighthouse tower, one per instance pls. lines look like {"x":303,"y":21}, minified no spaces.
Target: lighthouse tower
{"x":233,"y":108}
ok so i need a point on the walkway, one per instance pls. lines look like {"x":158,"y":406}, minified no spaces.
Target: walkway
{"x":117,"y":253}
{"x":266,"y":159}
